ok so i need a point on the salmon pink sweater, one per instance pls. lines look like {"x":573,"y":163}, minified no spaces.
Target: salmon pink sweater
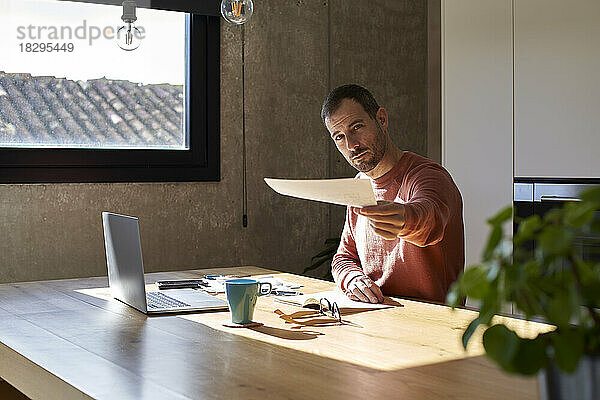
{"x":429,"y":253}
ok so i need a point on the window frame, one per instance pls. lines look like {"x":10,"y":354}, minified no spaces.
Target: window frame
{"x":201,"y":162}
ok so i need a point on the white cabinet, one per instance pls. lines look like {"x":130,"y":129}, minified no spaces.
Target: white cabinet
{"x":557,"y":88}
{"x":477,"y":143}
{"x":548,"y":126}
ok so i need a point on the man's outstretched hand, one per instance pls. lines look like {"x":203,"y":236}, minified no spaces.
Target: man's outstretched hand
{"x":362,"y":288}
{"x":386,"y":218}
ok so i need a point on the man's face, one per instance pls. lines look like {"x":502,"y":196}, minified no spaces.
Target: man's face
{"x":359,"y":138}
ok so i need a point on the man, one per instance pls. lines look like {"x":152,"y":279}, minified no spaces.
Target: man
{"x":411,"y":243}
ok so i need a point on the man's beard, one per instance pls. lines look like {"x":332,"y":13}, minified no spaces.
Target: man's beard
{"x":369,"y":161}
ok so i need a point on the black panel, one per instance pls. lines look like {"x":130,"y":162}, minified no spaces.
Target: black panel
{"x":558,"y":180}
{"x":202,"y":7}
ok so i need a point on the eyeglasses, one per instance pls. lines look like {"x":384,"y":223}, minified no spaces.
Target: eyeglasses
{"x":330,"y":309}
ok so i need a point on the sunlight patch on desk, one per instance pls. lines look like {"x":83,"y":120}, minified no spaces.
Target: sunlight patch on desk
{"x":417,"y":334}
{"x":388,"y":339}
{"x":99,"y":293}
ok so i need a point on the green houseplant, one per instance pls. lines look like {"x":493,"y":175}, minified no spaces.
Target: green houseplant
{"x":551,"y":283}
{"x":324,"y":257}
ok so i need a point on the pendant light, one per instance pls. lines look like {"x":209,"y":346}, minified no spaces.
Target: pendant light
{"x":129,"y":37}
{"x":237,"y":11}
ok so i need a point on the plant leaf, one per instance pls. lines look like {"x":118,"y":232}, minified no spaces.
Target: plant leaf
{"x":595,"y":225}
{"x":554,"y":215}
{"x":555,"y":240}
{"x":493,"y":239}
{"x":568,"y":348}
{"x":591,"y":195}
{"x":469,"y":331}
{"x":315,"y":265}
{"x":591,"y":294}
{"x":332,"y":241}
{"x":493,"y":269}
{"x":523,"y":301}
{"x":454,"y":296}
{"x":530,"y":356}
{"x":589,"y":273}
{"x":500,"y":344}
{"x":474,"y":282}
{"x":489,"y":308}
{"x":502,"y":216}
{"x":578,"y":214}
{"x":324,"y":253}
{"x":559,"y":310}
{"x":527,"y":229}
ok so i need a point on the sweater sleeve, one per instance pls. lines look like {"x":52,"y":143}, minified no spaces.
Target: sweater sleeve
{"x":432,"y":195}
{"x":346,"y":263}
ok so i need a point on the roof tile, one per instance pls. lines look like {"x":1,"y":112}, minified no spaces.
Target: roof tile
{"x":102,"y":112}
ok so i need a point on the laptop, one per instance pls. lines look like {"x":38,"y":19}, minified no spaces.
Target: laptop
{"x":126,"y":273}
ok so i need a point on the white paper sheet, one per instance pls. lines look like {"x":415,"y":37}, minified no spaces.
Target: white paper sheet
{"x":345,"y":191}
{"x":336,"y":296}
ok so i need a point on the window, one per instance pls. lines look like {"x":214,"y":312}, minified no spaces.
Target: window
{"x":76,"y":108}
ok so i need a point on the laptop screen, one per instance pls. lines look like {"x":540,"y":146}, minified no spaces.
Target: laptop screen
{"x":124,"y":259}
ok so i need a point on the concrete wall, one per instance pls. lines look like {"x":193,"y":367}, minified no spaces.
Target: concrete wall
{"x":296,"y":51}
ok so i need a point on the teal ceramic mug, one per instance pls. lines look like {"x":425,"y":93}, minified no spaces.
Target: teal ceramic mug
{"x":242,"y":295}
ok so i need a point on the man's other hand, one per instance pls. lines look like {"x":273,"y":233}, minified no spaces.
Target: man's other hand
{"x":386,"y":218}
{"x":362,"y":288}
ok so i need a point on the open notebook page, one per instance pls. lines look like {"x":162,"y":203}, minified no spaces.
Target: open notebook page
{"x":338,"y":297}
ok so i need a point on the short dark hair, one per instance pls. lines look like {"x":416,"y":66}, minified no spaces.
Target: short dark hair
{"x":355,"y":92}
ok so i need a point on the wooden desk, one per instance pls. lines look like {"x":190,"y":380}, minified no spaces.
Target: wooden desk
{"x":66,"y":339}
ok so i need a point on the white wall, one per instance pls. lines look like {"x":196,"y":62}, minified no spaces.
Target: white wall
{"x":477,"y":110}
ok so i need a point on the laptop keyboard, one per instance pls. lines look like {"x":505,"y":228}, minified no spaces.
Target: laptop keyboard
{"x":158,"y":300}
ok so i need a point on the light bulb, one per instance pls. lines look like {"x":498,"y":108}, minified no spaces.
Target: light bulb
{"x":237,"y":11}
{"x":129,"y":37}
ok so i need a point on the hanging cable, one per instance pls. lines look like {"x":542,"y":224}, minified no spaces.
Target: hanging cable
{"x":244,"y":181}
